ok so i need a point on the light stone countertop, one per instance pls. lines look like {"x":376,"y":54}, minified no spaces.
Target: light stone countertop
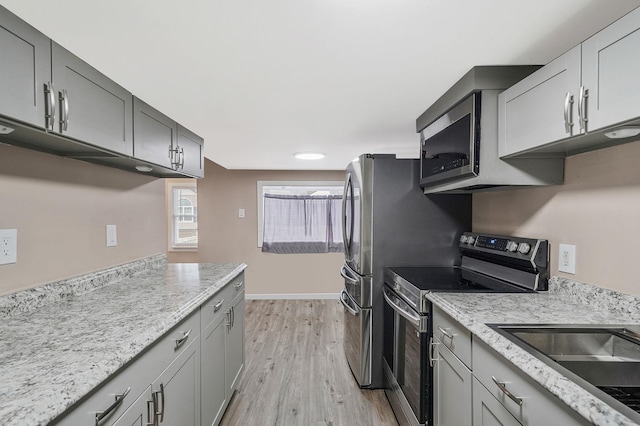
{"x":566,"y":302}
{"x":83,"y":330}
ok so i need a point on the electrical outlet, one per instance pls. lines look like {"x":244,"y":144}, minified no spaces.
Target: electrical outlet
{"x":112,"y":240}
{"x":567,"y":258}
{"x":8,"y":246}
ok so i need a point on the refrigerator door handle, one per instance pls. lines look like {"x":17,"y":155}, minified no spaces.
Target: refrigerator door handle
{"x":344,"y":271}
{"x":347,"y":198}
{"x":345,"y":299}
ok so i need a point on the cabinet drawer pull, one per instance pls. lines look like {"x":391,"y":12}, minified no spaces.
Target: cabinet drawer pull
{"x":446,"y":334}
{"x":64,"y":110}
{"x":180,"y":341}
{"x":160,"y":413}
{"x":582,"y":108}
{"x":101,"y":415}
{"x":239,"y":285}
{"x":503,"y":387}
{"x":218,"y":305}
{"x":432,"y":349}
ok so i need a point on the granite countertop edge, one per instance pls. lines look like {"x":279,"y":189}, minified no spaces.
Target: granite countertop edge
{"x":569,"y":392}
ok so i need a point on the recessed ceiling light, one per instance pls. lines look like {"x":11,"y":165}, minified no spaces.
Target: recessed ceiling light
{"x":309,"y":155}
{"x":623,"y":132}
{"x":143,"y":168}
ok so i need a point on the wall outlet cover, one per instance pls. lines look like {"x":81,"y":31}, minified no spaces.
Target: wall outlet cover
{"x":112,"y":240}
{"x":8,"y":246}
{"x":567,"y":258}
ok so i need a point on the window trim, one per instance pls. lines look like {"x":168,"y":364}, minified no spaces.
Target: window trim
{"x":171,"y":187}
{"x":260,"y":188}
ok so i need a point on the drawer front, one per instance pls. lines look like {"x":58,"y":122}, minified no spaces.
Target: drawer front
{"x":536,"y":406}
{"x":453,"y":335}
{"x":488,"y":411}
{"x":219,"y":303}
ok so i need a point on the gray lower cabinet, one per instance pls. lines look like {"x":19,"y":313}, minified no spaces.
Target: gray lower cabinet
{"x":214,"y":390}
{"x":25,"y":69}
{"x":90,"y":107}
{"x":235,"y":345}
{"x":589,"y":89}
{"x":176,"y":392}
{"x":488,"y":411}
{"x":451,"y":389}
{"x":140,"y":413}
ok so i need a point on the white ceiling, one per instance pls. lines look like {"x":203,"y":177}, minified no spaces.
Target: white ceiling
{"x":261,"y":80}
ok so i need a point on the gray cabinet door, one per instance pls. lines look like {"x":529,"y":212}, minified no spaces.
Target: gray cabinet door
{"x":611,"y":73}
{"x":25,"y":69}
{"x":177,"y":389}
{"x":451,"y":389}
{"x":191,"y":151}
{"x":235,"y":346}
{"x":155,"y":135}
{"x":531,"y":113}
{"x":487,"y":411}
{"x":139,"y":413}
{"x":214,"y":395}
{"x":91,"y":107}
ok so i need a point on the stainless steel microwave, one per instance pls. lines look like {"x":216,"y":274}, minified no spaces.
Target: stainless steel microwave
{"x":450,"y":145}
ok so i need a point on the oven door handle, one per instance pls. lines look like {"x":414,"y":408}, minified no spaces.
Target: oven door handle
{"x":344,"y":271}
{"x":345,"y":299}
{"x":404,"y":311}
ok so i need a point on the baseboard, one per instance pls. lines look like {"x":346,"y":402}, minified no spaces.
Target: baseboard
{"x":294,"y":296}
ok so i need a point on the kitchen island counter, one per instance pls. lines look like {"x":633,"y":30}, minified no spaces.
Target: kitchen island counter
{"x":55,"y":354}
{"x":566,"y":302}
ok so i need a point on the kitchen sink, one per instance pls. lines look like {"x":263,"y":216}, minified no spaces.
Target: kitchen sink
{"x":603,"y":359}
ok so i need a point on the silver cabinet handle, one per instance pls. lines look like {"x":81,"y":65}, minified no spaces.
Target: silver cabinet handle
{"x":152,"y":412}
{"x":446,"y":334}
{"x":181,"y":340}
{"x":181,"y":161}
{"x":228,"y":320}
{"x":568,"y":113}
{"x":101,"y":415}
{"x":233,"y":316}
{"x":218,"y":305}
{"x":432,"y":350}
{"x":64,"y":110}
{"x":50,"y":112}
{"x":503,"y":387}
{"x":582,"y":108}
{"x":174,"y":156}
{"x":159,"y":413}
{"x":239,"y":285}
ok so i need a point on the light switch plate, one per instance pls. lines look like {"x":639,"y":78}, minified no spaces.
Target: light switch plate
{"x":8,"y":246}
{"x":567,"y":258}
{"x":241,"y":213}
{"x":112,"y":240}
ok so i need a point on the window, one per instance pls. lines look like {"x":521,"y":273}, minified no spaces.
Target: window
{"x":183,"y":215}
{"x":300,"y":217}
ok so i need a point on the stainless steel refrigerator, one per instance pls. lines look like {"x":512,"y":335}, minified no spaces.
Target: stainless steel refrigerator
{"x":388,"y":221}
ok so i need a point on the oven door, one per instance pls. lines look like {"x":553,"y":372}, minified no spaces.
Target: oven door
{"x":409,"y":363}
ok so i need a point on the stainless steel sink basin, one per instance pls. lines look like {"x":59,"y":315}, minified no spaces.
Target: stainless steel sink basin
{"x":603,"y":359}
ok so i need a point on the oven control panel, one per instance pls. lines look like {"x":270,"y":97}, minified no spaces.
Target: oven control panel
{"x":507,"y":246}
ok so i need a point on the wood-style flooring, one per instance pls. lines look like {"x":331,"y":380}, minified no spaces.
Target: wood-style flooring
{"x":296,"y":372}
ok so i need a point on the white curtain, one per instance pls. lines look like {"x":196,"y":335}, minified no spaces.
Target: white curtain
{"x":302,"y":224}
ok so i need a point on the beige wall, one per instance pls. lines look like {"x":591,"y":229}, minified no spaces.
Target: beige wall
{"x":61,"y":206}
{"x":597,"y":209}
{"x":223,"y":237}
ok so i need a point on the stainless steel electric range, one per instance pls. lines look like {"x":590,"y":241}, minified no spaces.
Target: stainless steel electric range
{"x":489,"y":264}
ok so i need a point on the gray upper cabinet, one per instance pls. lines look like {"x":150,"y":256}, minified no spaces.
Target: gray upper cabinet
{"x":191,"y":150}
{"x":158,"y":139}
{"x":540,"y":108}
{"x":91,"y":107}
{"x":566,"y":107}
{"x":155,"y":135}
{"x":610,"y":73}
{"x":25,"y":69}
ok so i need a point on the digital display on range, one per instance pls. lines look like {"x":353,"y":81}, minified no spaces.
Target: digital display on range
{"x":493,"y":243}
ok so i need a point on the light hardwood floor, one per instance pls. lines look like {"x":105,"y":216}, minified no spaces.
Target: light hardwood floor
{"x":296,"y":372}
